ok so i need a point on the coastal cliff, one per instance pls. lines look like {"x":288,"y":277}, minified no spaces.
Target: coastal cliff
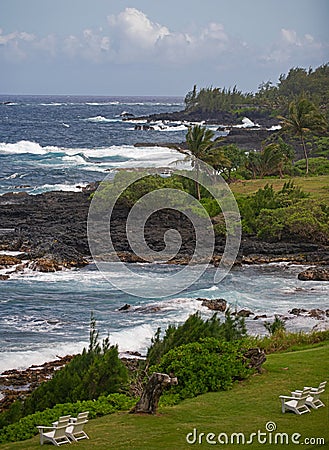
{"x":50,"y":232}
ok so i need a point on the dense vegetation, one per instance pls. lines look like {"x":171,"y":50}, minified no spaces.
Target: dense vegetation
{"x":194,"y":329}
{"x":205,"y":355}
{"x":270,"y":99}
{"x":287,"y":213}
{"x":96,"y":371}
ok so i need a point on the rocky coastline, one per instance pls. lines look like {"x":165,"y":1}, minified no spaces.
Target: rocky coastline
{"x":16,"y":384}
{"x":48,"y":232}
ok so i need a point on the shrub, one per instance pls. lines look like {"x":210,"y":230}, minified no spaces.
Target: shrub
{"x":317,"y":166}
{"x":283,"y":340}
{"x":97,"y":371}
{"x":205,"y":366}
{"x":307,"y":220}
{"x":26,"y":427}
{"x":275,"y":326}
{"x":193,"y":330}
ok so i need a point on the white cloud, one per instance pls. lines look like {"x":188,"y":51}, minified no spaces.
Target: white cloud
{"x":292,"y":48}
{"x":289,"y":37}
{"x":215,"y":31}
{"x":137,"y":28}
{"x":131,"y":37}
{"x":14,"y":45}
{"x":134,"y":36}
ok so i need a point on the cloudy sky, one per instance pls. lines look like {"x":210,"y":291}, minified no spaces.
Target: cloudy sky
{"x":156,"y":47}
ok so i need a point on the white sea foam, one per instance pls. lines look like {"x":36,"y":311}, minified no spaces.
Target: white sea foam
{"x":98,"y":119}
{"x":246,"y":123}
{"x":102,"y":104}
{"x":127,"y":155}
{"x":53,"y":104}
{"x":25,"y":358}
{"x":162,"y":126}
{"x":59,"y":187}
{"x":11,"y":177}
{"x":22,"y":147}
{"x":274,"y":128}
{"x":136,"y":338}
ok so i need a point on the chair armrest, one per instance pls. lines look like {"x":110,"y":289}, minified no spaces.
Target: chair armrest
{"x":40,"y":427}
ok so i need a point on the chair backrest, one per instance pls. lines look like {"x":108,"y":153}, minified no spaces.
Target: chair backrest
{"x":322,"y":385}
{"x":63,"y":418}
{"x":83,"y":415}
{"x":60,"y":427}
{"x":301,"y":401}
{"x":78,"y":425}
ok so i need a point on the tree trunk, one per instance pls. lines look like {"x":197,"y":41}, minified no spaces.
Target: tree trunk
{"x":255,"y":357}
{"x":149,"y":400}
{"x":197,"y":185}
{"x":305,"y":152}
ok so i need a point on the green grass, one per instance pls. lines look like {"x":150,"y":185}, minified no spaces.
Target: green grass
{"x":317,"y":186}
{"x":246,"y":409}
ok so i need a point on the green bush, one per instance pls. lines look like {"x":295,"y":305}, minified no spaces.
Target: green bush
{"x":275,"y":326}
{"x":283,"y":340}
{"x":109,"y":192}
{"x":317,"y":166}
{"x":254,"y":208}
{"x":211,"y":206}
{"x":205,"y":366}
{"x":97,"y":371}
{"x":26,"y":427}
{"x":194,"y":329}
{"x":307,"y":220}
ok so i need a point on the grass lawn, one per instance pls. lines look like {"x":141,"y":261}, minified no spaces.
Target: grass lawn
{"x":247,"y":408}
{"x":318,"y":186}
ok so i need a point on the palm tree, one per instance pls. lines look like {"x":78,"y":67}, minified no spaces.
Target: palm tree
{"x":303,"y":118}
{"x":274,"y":156}
{"x":199,"y":141}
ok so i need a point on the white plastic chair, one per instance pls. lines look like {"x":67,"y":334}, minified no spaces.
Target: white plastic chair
{"x":75,"y":429}
{"x":295,"y":402}
{"x":313,"y":399}
{"x":55,"y":434}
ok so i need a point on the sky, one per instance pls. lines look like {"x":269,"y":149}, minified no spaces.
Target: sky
{"x":156,"y":47}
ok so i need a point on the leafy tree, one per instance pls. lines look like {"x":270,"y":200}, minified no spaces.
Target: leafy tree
{"x":303,"y":118}
{"x":226,"y":159}
{"x":199,"y":141}
{"x":253,"y":163}
{"x":190,"y":98}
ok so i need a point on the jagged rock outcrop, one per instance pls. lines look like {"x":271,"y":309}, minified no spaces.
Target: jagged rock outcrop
{"x":215,"y":304}
{"x":315,"y":274}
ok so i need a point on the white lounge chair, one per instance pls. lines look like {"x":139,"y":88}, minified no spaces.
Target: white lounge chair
{"x":295,"y":402}
{"x":75,"y":429}
{"x":313,"y":398}
{"x":55,"y":434}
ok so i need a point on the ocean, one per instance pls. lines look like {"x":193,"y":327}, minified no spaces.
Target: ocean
{"x":64,"y":143}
